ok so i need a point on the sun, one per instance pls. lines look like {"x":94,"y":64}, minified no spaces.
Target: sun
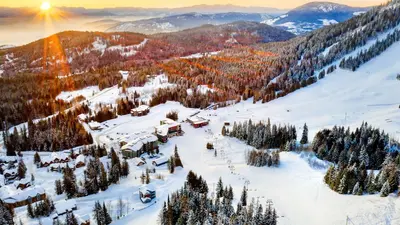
{"x":45,"y":6}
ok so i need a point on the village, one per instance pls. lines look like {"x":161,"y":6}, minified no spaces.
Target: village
{"x":143,"y":148}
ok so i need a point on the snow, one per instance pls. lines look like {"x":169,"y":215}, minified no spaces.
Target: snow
{"x":70,"y":95}
{"x":137,"y":143}
{"x":65,"y":206}
{"x":296,"y":187}
{"x":327,"y":22}
{"x":274,"y":20}
{"x":128,"y":50}
{"x":358,"y":13}
{"x":99,"y":45}
{"x":141,"y":108}
{"x":201,"y":55}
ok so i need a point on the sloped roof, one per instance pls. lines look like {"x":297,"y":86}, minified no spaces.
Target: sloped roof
{"x":24,"y":194}
{"x":65,"y":205}
{"x":137,"y":143}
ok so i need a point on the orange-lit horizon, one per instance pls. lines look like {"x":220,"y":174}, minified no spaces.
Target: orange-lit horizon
{"x":174,"y":3}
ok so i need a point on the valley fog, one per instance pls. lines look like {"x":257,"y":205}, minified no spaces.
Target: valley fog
{"x":26,"y":30}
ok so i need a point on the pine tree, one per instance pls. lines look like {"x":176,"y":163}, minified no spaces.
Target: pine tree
{"x":304,"y":137}
{"x":356,"y":189}
{"x":107,"y":217}
{"x":342,"y":189}
{"x":30,"y":210}
{"x":70,"y":219}
{"x":223,"y":132}
{"x":385,"y":191}
{"x":103,"y":181}
{"x":58,"y":187}
{"x":220,"y":188}
{"x":36,"y":158}
{"x":147,"y":177}
{"x":243,"y":197}
{"x":177,"y":158}
{"x":171,"y":165}
{"x":21,"y":169}
{"x":98,"y":213}
{"x":69,"y":182}
{"x":125,"y":169}
{"x":371,"y":183}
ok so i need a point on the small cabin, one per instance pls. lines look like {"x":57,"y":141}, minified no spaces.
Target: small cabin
{"x":95,"y":125}
{"x":197,"y":121}
{"x":80,"y":161}
{"x":23,"y":183}
{"x":159,"y":161}
{"x":147,"y":193}
{"x":142,"y":110}
{"x":138,"y":162}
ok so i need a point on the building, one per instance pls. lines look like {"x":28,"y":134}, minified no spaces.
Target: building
{"x":167,"y":128}
{"x":55,"y":157}
{"x":159,"y":161}
{"x":197,"y":121}
{"x":10,"y":174}
{"x":95,"y":125}
{"x":65,"y":206}
{"x":29,"y":195}
{"x":147,"y":193}
{"x":147,"y":143}
{"x":59,"y":167}
{"x":138,"y":161}
{"x":23,"y":183}
{"x":80,"y":161}
{"x":142,"y":110}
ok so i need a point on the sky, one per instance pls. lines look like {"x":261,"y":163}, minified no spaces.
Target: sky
{"x":285,"y":4}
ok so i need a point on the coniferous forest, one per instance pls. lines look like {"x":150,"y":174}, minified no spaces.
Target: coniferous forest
{"x":192,"y":205}
{"x":263,"y":135}
{"x":354,"y":154}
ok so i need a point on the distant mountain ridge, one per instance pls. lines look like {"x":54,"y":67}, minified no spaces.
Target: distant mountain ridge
{"x":185,"y":21}
{"x":315,"y":15}
{"x":6,"y":12}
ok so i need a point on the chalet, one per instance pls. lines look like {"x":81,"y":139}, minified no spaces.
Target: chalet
{"x":95,"y":125}
{"x":55,"y":157}
{"x":80,"y":161}
{"x":23,"y":183}
{"x":29,"y":195}
{"x":197,"y":121}
{"x":10,"y":174}
{"x":60,"y":167}
{"x":142,"y":110}
{"x":160,"y":161}
{"x":139,"y":145}
{"x":138,"y":162}
{"x":167,"y":128}
{"x":147,"y":193}
{"x":65,"y":206}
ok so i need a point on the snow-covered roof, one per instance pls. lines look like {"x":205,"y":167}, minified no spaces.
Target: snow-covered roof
{"x":160,"y":160}
{"x":94,"y":125}
{"x":80,"y":158}
{"x":197,"y":119}
{"x":23,"y":181}
{"x":59,"y":155}
{"x":8,"y":158}
{"x":13,"y":171}
{"x":147,"y":187}
{"x":166,"y":124}
{"x":138,"y":142}
{"x":137,"y":161}
{"x":61,"y":165}
{"x":25,"y":194}
{"x":65,"y":205}
{"x":141,"y":108}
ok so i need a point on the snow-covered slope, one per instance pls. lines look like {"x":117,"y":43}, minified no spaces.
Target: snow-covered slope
{"x":314,"y":15}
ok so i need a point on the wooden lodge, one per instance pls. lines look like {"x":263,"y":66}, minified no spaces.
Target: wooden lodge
{"x":142,"y":110}
{"x":142,"y":144}
{"x":197,"y":121}
{"x":23,"y":198}
{"x":167,"y":128}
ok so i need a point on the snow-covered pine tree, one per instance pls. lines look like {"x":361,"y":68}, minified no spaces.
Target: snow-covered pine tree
{"x":304,"y":136}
